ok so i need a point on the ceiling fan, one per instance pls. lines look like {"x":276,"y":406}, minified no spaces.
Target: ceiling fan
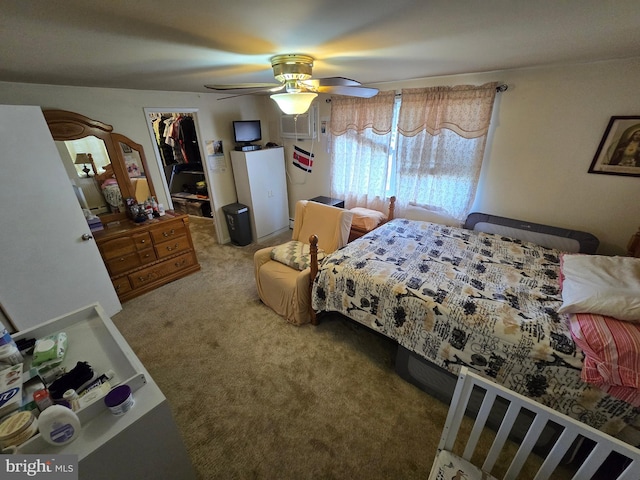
{"x":293,"y":71}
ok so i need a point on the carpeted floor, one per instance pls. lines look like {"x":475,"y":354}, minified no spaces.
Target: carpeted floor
{"x":258,"y":398}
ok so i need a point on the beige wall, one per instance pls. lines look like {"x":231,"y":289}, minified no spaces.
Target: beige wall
{"x":545,"y":132}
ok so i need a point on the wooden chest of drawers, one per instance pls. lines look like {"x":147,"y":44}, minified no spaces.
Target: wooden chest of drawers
{"x":142,"y":257}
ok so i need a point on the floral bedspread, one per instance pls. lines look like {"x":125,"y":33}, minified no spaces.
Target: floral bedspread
{"x":458,"y":297}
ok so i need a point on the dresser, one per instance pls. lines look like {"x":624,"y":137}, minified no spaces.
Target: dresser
{"x":142,"y":257}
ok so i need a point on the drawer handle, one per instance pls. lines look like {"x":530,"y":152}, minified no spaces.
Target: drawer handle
{"x":171,"y":232}
{"x":181,"y":264}
{"x":151,"y":276}
{"x":172,"y":248}
{"x":142,"y":241}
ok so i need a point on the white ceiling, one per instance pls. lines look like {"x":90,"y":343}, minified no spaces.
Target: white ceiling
{"x":182,"y":45}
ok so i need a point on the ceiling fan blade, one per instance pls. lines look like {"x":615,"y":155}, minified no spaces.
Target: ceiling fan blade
{"x":244,"y":86}
{"x":242,"y":93}
{"x":331,"y":82}
{"x":363,"y":92}
{"x":239,"y":91}
{"x":294,"y":73}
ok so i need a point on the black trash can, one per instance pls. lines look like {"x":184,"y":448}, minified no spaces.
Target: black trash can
{"x":238,"y":223}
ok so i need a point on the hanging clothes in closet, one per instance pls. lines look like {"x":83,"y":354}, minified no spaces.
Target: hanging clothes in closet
{"x":189,"y":140}
{"x":158,"y":124}
{"x":176,"y":138}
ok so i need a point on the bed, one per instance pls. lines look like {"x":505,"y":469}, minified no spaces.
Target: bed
{"x":478,"y":297}
{"x":111,"y":189}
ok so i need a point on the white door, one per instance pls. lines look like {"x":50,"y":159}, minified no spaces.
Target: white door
{"x":46,"y":268}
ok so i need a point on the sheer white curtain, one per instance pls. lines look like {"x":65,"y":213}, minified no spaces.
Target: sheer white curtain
{"x":442,"y":133}
{"x":360,"y":139}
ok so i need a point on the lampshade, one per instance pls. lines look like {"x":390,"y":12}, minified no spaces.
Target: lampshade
{"x":82,"y":158}
{"x":294,"y":103}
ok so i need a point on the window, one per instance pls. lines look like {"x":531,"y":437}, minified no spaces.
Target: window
{"x":430,"y":154}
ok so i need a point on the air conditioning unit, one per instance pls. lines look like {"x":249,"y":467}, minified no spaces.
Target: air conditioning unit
{"x":300,"y":127}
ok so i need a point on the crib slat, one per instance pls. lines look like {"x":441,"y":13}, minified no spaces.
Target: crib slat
{"x":598,"y":455}
{"x":530,"y":439}
{"x":459,"y":402}
{"x":478,"y":426}
{"x":501,"y":437}
{"x":560,"y":448}
{"x":631,"y":472}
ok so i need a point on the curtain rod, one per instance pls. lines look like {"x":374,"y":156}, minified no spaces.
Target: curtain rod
{"x":499,"y":89}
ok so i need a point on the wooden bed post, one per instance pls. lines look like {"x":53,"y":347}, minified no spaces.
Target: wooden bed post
{"x":633,"y":248}
{"x":392,"y":208}
{"x":313,"y":251}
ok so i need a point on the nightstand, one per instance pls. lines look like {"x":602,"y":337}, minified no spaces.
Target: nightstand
{"x":334,"y":202}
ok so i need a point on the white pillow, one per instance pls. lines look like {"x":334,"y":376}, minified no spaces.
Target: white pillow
{"x":366,"y":218}
{"x":428,"y":213}
{"x":602,"y":285}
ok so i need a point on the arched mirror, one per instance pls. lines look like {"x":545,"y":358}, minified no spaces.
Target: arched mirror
{"x":106,"y":168}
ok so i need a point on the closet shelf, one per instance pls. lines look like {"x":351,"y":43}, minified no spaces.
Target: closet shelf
{"x":189,"y":196}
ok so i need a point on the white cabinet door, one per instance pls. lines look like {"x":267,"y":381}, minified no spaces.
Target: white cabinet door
{"x":46,"y":268}
{"x":261,"y":185}
{"x":266,"y":178}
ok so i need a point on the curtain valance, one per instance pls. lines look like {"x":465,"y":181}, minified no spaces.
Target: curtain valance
{"x":358,"y":114}
{"x":464,"y":109}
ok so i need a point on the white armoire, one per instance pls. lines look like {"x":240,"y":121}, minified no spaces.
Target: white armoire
{"x":261,"y":185}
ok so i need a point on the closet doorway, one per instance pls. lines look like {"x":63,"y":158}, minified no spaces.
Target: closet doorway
{"x":181,"y":160}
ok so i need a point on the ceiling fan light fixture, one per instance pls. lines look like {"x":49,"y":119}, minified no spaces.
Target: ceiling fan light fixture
{"x":291,"y":67}
{"x":294,"y":103}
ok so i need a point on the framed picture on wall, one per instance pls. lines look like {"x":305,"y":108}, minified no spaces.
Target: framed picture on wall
{"x":619,"y":149}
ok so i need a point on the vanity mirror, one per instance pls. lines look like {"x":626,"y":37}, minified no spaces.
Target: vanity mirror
{"x":105,"y":167}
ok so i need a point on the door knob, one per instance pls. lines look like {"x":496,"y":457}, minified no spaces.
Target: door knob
{"x":86,"y":236}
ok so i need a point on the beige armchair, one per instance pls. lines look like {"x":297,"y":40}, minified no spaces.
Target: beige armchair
{"x":283,"y":275}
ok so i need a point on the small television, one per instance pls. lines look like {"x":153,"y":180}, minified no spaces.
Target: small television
{"x":246,"y":131}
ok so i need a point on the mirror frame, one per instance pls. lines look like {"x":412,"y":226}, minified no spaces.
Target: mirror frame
{"x":65,"y":125}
